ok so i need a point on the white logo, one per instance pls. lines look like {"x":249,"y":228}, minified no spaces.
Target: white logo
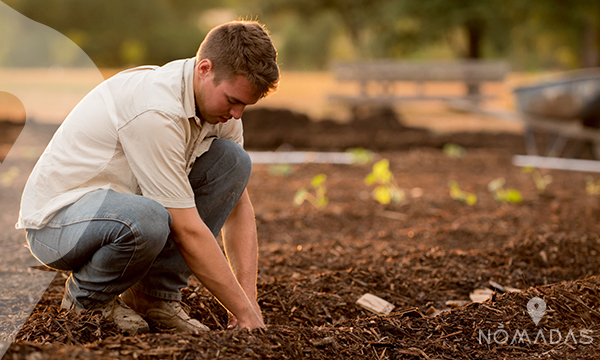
{"x":536,"y":308}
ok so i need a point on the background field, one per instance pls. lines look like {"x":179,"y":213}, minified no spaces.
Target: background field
{"x":56,"y":91}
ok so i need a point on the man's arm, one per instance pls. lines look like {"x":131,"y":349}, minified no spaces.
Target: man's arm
{"x":241,"y":247}
{"x":204,"y":257}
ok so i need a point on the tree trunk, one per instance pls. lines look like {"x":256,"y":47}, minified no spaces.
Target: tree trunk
{"x":589,"y":54}
{"x":475,"y":29}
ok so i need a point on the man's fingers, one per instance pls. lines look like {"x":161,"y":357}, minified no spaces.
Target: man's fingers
{"x":231,"y":322}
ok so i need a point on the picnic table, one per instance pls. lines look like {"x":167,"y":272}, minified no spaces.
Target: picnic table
{"x":377,"y":80}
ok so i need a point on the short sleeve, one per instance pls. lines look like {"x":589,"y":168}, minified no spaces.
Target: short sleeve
{"x":154,"y":145}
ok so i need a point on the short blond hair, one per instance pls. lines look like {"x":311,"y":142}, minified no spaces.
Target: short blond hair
{"x":242,"y":48}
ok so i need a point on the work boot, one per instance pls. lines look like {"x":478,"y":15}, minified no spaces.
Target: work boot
{"x":167,"y":313}
{"x":127,"y":320}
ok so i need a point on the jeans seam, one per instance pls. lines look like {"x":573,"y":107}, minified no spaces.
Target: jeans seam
{"x":73,"y":221}
{"x":136,"y":238}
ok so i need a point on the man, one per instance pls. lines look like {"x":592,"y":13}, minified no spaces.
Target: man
{"x":143,"y":174}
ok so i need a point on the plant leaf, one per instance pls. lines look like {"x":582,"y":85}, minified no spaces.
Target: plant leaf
{"x":471,"y":199}
{"x":300,"y":197}
{"x":513,"y":196}
{"x":382,"y":194}
{"x":318,"y":180}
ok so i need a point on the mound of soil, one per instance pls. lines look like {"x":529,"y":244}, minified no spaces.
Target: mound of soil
{"x":268,"y":129}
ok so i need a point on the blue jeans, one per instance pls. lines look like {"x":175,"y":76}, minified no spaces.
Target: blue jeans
{"x":113,"y":241}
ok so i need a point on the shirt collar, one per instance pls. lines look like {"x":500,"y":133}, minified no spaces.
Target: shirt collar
{"x":189,"y":100}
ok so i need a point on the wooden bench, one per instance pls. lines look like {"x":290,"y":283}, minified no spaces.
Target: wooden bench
{"x":384,"y":74}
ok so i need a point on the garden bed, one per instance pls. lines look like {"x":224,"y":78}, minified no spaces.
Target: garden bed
{"x":417,"y":254}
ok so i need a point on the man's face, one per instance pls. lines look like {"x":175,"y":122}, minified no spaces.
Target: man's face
{"x":220,"y":102}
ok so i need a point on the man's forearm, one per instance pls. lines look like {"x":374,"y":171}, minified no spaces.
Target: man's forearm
{"x":239,"y":238}
{"x":202,"y":254}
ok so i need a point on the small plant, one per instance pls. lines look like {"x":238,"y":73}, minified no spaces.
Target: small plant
{"x":592,"y":187}
{"x":387,"y":189}
{"x":501,"y":194}
{"x":454,"y":150}
{"x":360,"y":155}
{"x":457,"y":194}
{"x":318,"y":199}
{"x":280,"y":169}
{"x":541,"y":182}
{"x":7,"y":178}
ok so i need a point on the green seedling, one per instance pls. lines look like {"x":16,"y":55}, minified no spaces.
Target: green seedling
{"x":457,"y":194}
{"x":280,"y":169}
{"x":7,"y":177}
{"x":318,"y":198}
{"x":454,"y":151}
{"x":501,"y":194}
{"x":541,"y":182}
{"x":387,"y":189}
{"x":592,"y":187}
{"x":360,"y":156}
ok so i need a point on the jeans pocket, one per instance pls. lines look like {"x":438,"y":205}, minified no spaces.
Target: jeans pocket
{"x":45,"y":252}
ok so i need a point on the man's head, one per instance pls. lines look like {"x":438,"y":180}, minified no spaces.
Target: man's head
{"x":236,"y":66}
{"x":242,"y":48}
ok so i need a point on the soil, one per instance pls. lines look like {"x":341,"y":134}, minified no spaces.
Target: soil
{"x":416,"y":254}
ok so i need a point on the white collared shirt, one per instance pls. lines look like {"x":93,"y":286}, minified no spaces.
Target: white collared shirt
{"x":135,"y":133}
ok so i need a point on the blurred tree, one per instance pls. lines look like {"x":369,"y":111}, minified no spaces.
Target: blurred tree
{"x":311,"y":33}
{"x":390,"y":28}
{"x":478,"y":20}
{"x":363,"y":20}
{"x":573,"y":25}
{"x":122,"y":33}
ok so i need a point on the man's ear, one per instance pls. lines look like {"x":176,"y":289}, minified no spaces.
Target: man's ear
{"x":204,"y":67}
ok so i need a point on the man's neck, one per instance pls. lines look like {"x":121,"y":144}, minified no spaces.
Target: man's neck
{"x":202,"y":121}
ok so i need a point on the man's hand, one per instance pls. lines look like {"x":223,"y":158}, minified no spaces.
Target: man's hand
{"x":232,"y":321}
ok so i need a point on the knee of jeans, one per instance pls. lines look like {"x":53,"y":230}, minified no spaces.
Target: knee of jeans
{"x":235,"y":157}
{"x":153,"y":223}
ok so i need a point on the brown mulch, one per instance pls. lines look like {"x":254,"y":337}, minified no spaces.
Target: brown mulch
{"x":462,"y":333}
{"x":417,"y":254}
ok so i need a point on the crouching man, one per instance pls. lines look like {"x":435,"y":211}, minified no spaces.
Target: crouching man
{"x":142,"y":176}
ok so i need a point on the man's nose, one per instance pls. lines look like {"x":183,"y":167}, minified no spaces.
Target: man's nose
{"x":236,"y":111}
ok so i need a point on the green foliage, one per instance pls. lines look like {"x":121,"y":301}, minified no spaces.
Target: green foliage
{"x":496,"y":186}
{"x":280,"y":169}
{"x":308,"y":42}
{"x":387,"y":189}
{"x":541,"y":182}
{"x":454,"y":151}
{"x":312,"y":34}
{"x":117,"y":33}
{"x":457,"y":194}
{"x":317,"y":198}
{"x":360,"y":155}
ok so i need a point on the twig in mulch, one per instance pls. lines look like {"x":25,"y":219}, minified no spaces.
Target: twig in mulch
{"x":280,"y":302}
{"x":414,"y":352}
{"x":214,"y":318}
{"x":67,"y":331}
{"x":448,"y":335}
